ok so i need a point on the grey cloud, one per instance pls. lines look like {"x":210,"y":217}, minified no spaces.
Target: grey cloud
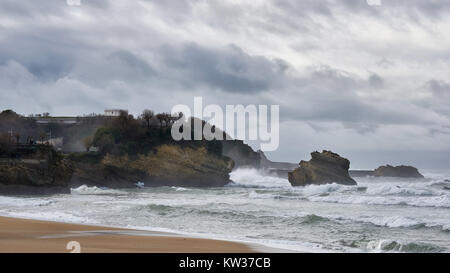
{"x":304,"y":7}
{"x":362,"y":128}
{"x":375,"y":81}
{"x":41,"y":56}
{"x":412,"y":8}
{"x":330,"y":95}
{"x":120,"y":65}
{"x":438,"y":88}
{"x":229,"y":69}
{"x":432,"y":9}
{"x":385,"y":63}
{"x":298,"y":54}
{"x":439,"y":99}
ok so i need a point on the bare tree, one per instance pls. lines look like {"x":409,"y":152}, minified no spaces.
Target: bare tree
{"x":147,"y":115}
{"x":161,"y":118}
{"x":167,"y":119}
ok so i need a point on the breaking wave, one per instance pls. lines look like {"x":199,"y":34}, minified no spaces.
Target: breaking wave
{"x":412,"y":215}
{"x":84,"y":189}
{"x":368,"y":192}
{"x":394,"y":246}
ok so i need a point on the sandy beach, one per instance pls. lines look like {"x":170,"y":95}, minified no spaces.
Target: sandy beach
{"x":33,"y":236}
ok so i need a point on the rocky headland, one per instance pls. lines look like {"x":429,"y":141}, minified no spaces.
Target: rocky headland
{"x":390,"y":171}
{"x":166,"y":165}
{"x":397,"y":171}
{"x":126,"y":152}
{"x":129,"y":152}
{"x":323,"y":168}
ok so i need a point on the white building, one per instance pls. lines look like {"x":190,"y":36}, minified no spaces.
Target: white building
{"x":114,"y":112}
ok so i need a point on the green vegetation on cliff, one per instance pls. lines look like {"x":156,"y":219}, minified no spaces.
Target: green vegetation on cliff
{"x":134,"y":150}
{"x":118,"y":152}
{"x":126,"y":135}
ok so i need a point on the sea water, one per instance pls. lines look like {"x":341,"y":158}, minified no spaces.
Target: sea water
{"x":377,"y":215}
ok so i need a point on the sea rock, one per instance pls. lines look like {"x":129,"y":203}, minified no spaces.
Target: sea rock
{"x":323,"y":168}
{"x":167,"y":165}
{"x":398,"y":171}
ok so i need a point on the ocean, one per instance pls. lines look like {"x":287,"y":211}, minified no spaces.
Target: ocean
{"x":377,"y":215}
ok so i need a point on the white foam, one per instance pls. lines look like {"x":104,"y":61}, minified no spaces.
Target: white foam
{"x":57,"y":216}
{"x":264,"y":209}
{"x":442,"y":201}
{"x":84,"y":189}
{"x":393,"y":221}
{"x":245,"y":177}
{"x":179,"y":189}
{"x":6,"y":201}
{"x":313,"y":190}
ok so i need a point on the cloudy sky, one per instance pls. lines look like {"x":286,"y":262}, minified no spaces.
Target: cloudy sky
{"x":369,"y":82}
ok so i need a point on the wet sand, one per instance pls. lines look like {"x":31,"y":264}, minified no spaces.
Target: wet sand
{"x":33,"y":236}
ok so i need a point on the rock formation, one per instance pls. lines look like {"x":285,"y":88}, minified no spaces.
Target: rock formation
{"x":43,"y":171}
{"x":398,"y":171}
{"x":323,"y":168}
{"x":167,"y":165}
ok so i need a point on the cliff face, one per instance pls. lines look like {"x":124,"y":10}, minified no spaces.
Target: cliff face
{"x":43,"y":173}
{"x":398,"y":171}
{"x":323,"y":168}
{"x":277,"y":166}
{"x":166,"y":165}
{"x":241,"y":153}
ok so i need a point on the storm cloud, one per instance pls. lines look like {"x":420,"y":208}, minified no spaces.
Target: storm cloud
{"x":348,"y":76}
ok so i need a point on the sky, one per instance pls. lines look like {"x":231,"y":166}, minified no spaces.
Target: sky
{"x":369,"y":82}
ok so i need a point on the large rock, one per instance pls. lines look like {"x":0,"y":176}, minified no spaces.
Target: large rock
{"x":167,"y":165}
{"x":323,"y":168}
{"x":398,"y":171}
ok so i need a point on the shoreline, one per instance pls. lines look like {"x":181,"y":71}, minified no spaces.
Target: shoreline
{"x":18,"y":235}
